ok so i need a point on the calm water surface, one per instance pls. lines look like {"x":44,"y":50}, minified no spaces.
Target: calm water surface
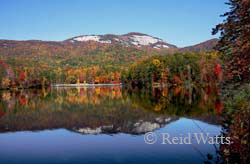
{"x":106,"y":125}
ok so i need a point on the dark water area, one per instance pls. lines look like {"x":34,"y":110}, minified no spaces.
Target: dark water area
{"x":108,"y":125}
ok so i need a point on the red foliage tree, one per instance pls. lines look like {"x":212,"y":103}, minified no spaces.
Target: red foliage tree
{"x":234,"y":43}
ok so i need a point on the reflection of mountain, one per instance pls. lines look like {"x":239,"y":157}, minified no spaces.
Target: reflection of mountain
{"x":97,"y":110}
{"x":138,"y":127}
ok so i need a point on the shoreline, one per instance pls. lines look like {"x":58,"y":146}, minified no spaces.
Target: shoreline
{"x":83,"y":85}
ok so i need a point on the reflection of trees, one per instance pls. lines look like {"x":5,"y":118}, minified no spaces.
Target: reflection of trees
{"x":88,"y":109}
{"x":73,"y":108}
{"x":25,"y":99}
{"x":178,"y":100}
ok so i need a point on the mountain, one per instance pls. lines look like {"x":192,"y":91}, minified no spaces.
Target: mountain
{"x":87,"y":58}
{"x":131,"y":39}
{"x":201,"y":47}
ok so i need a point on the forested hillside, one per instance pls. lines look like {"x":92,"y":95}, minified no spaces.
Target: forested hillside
{"x":70,"y":63}
{"x":175,"y":69}
{"x":87,"y":59}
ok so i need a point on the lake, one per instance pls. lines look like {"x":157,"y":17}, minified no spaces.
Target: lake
{"x":108,"y":125}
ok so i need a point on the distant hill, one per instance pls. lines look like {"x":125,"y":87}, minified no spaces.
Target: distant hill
{"x":201,"y":47}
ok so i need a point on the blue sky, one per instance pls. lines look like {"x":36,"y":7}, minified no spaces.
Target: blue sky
{"x":179,"y":22}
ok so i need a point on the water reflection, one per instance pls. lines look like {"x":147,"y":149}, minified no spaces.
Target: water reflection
{"x":105,"y":109}
{"x":179,"y":101}
{"x":62,"y":146}
{"x":105,"y":124}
